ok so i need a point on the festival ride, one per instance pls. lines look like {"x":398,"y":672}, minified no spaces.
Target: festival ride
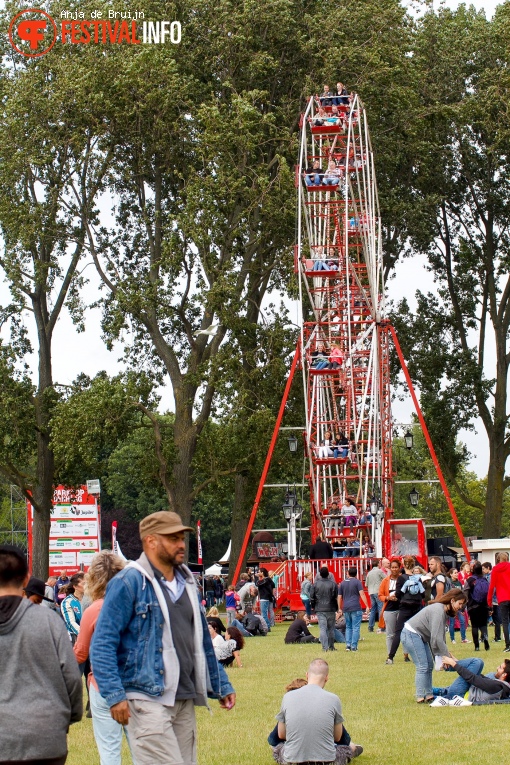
{"x":343,"y":353}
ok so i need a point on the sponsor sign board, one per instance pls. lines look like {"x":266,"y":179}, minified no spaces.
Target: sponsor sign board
{"x":74,"y":529}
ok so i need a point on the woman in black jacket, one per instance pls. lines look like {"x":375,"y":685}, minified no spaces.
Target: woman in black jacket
{"x":409,"y":603}
{"x":478,"y":609}
{"x":265,"y":586}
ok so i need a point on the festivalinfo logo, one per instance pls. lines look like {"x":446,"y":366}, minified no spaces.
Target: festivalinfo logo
{"x":34,"y":32}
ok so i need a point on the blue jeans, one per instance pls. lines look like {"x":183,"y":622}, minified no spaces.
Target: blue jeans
{"x":242,"y":630}
{"x":339,"y":636}
{"x":107,"y":732}
{"x":209,"y":596}
{"x":313,"y":180}
{"x":267,"y":613}
{"x":306,"y":603}
{"x":423,"y":660}
{"x":352,"y":628}
{"x":326,"y":621}
{"x":459,"y":687}
{"x":462,"y":622}
{"x":375,"y":610}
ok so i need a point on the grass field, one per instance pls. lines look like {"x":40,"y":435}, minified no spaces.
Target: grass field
{"x":377,"y":701}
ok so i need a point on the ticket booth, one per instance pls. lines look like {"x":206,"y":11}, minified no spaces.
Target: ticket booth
{"x":406,"y":537}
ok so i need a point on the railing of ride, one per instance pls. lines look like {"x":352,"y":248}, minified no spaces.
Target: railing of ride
{"x":289,"y":575}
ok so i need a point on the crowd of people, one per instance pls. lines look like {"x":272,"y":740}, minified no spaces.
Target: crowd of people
{"x":417,"y":608}
{"x":139,"y":634}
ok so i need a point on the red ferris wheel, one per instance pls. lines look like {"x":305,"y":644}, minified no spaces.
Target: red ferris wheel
{"x":344,"y":345}
{"x":344,"y":339}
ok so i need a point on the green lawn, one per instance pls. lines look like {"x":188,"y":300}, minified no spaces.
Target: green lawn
{"x":377,"y":701}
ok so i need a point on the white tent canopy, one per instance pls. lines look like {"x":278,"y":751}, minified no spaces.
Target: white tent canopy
{"x":215,"y":569}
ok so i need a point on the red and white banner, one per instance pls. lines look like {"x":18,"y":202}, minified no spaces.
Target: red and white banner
{"x":199,"y":544}
{"x":115,"y":545}
{"x":74,"y":529}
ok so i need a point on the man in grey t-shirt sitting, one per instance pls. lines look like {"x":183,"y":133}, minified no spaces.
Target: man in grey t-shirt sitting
{"x":310,"y":720}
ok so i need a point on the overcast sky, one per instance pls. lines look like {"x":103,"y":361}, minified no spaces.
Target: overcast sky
{"x":75,"y":353}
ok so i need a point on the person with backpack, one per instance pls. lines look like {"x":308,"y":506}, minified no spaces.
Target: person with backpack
{"x":438,"y":584}
{"x":477,"y":589}
{"x":410,"y":593}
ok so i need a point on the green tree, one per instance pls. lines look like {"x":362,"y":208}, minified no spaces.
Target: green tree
{"x":462,"y":184}
{"x":53,"y":161}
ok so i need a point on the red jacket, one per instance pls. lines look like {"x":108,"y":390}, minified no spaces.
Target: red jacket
{"x":500,"y":581}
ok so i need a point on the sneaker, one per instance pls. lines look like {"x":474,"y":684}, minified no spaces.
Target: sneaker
{"x":497,"y":640}
{"x":353,"y":649}
{"x":348,"y":648}
{"x":440,"y":702}
{"x":389,"y":661}
{"x":506,"y":650}
{"x":458,"y":701}
{"x":466,"y":640}
{"x":453,"y":641}
{"x":380,"y":632}
{"x":356,"y":750}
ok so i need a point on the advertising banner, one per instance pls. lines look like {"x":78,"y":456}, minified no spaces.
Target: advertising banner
{"x":74,"y":529}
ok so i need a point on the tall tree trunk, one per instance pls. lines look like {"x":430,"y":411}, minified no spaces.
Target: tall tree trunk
{"x":243,"y":499}
{"x":185,"y":436}
{"x":497,"y":454}
{"x":43,"y":487}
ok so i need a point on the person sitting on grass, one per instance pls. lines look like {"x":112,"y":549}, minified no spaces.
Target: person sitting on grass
{"x":229,"y":650}
{"x":310,"y":724}
{"x":213,"y":617}
{"x":492,"y":687}
{"x":298,"y":631}
{"x":251,"y":623}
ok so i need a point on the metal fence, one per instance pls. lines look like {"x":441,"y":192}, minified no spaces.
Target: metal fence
{"x":13,"y":519}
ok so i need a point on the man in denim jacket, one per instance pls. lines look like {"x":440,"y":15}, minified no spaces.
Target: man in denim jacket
{"x":152,"y":655}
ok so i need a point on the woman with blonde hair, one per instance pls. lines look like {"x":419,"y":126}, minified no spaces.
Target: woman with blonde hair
{"x":213,"y":617}
{"x":107,"y":732}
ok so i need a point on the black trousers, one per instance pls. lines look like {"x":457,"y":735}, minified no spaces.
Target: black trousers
{"x":496,"y":619}
{"x":504,"y":612}
{"x":405,"y":612}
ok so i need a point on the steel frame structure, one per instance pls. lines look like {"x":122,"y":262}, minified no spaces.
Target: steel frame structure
{"x":338,"y":259}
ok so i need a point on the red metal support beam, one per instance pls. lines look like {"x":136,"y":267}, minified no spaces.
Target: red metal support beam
{"x":267,"y":464}
{"x":429,"y":442}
